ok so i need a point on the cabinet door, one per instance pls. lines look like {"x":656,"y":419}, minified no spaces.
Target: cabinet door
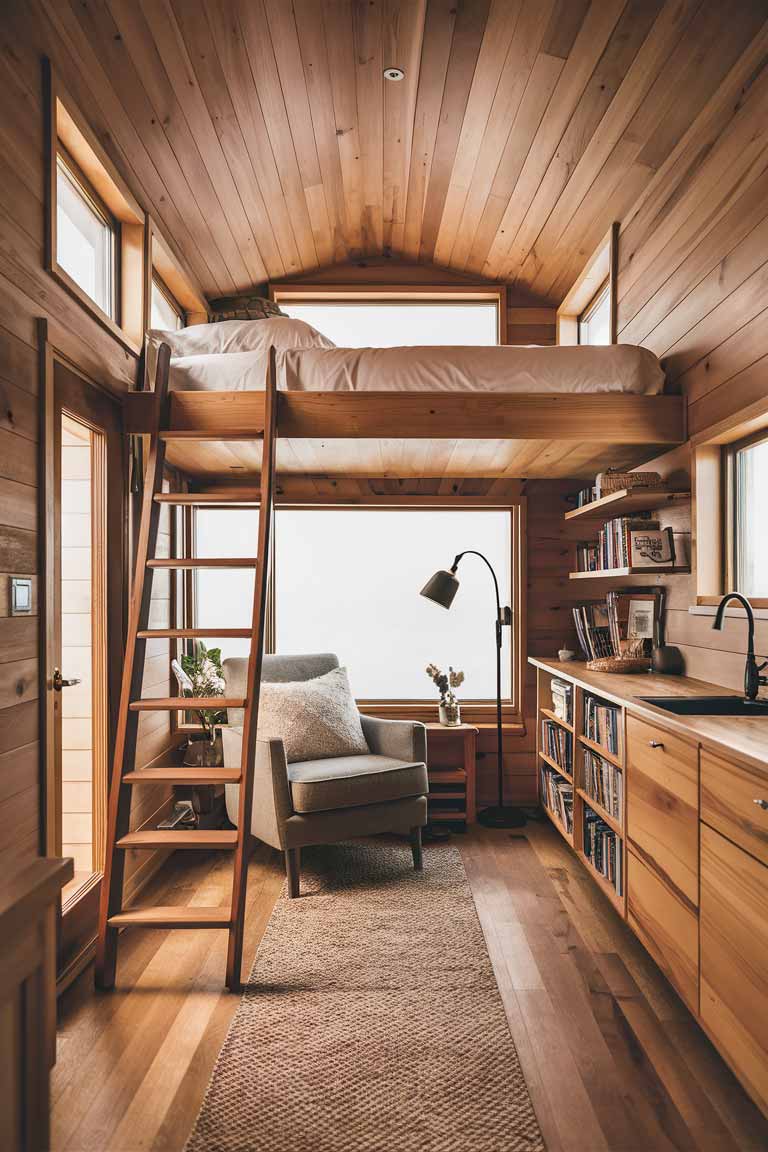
{"x":734,"y":958}
{"x":729,"y":802}
{"x":663,"y":805}
{"x":668,"y":928}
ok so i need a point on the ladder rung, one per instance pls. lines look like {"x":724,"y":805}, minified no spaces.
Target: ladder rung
{"x":193,"y":633}
{"x":172,"y":917}
{"x":179,"y":838}
{"x":185,"y":703}
{"x":195,"y":562}
{"x":182,"y":774}
{"x":193,"y":499}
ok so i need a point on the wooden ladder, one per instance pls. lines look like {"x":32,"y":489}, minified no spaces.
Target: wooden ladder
{"x":125,"y":777}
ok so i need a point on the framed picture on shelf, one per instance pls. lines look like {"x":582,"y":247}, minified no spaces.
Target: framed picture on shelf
{"x":650,"y":548}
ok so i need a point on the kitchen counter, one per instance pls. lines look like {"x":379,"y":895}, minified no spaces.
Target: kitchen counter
{"x":743,"y":736}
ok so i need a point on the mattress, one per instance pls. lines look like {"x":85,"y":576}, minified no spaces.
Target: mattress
{"x":505,"y":369}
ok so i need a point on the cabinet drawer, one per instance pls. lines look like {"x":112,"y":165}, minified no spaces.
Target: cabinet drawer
{"x":667,"y":927}
{"x":734,"y":958}
{"x":663,"y":805}
{"x":728,"y":794}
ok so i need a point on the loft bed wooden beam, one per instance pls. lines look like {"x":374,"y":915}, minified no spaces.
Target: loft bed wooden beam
{"x":604,"y":418}
{"x":214,"y":435}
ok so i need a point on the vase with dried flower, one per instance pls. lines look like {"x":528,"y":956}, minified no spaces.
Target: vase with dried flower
{"x":446,"y":683}
{"x":199,"y":674}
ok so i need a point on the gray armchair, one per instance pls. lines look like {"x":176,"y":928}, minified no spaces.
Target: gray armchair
{"x":324,"y":801}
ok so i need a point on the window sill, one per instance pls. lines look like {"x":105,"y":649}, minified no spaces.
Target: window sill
{"x":707,"y":606}
{"x":96,"y":312}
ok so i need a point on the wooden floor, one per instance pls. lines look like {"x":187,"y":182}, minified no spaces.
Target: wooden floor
{"x":612,"y":1058}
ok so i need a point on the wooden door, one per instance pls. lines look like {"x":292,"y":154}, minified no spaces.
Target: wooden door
{"x":85,"y":582}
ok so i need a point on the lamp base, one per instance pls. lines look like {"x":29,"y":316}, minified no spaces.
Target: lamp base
{"x":500,"y":816}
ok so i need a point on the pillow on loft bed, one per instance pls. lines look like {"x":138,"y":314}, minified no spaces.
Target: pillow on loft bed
{"x":243,"y":336}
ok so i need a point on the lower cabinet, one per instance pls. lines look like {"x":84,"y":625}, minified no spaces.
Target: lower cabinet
{"x":667,"y":927}
{"x":734,"y":952}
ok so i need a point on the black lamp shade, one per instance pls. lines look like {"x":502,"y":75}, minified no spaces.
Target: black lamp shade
{"x":441,"y":588}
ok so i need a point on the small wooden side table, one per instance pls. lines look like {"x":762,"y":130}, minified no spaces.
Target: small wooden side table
{"x":451,"y":767}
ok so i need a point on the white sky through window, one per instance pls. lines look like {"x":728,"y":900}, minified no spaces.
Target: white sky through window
{"x":382,"y":325}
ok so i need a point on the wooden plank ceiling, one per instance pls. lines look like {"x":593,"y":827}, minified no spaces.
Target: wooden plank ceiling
{"x":269,"y":143}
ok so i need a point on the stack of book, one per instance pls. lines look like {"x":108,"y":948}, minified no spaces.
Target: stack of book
{"x":557,"y":794}
{"x":556,"y":743}
{"x":602,"y":847}
{"x":627,"y":542}
{"x":593,"y":627}
{"x":586,"y":496}
{"x":601,"y":723}
{"x":604,"y":783}
{"x":561,"y":700}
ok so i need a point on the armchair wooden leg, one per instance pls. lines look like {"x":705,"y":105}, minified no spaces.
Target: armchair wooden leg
{"x":418,"y":858}
{"x":293,"y":871}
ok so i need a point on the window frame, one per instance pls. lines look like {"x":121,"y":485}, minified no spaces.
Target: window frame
{"x":602,"y":294}
{"x":730,"y":517}
{"x":600,"y":269}
{"x":100,"y":208}
{"x":481,"y":712}
{"x":156,"y":281}
{"x":67,"y":132}
{"x":318,"y":293}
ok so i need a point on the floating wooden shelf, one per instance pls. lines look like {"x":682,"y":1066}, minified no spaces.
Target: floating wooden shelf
{"x":613,"y":573}
{"x":550,"y":715}
{"x":556,"y":766}
{"x":627,"y":501}
{"x":611,"y":757}
{"x":611,"y":821}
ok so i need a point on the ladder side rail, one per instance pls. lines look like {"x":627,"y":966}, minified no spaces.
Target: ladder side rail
{"x":133,"y":673}
{"x":263,"y":560}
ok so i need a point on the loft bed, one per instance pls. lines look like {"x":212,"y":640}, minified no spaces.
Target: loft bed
{"x":464,"y":411}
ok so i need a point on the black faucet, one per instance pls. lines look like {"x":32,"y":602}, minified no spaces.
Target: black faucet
{"x":752,"y":677}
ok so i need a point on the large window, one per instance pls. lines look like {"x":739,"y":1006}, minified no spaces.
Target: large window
{"x":748,"y":544}
{"x":385,"y":324}
{"x":347,"y":580}
{"x":85,"y":237}
{"x":165,"y":314}
{"x":595,"y":320}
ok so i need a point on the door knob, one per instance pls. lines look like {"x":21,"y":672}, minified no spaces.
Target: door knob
{"x":59,"y":682}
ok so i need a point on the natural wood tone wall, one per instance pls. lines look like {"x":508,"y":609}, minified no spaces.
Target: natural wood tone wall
{"x":27,"y":292}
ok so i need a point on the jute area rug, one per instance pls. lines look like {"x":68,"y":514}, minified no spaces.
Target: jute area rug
{"x":371,"y":1021}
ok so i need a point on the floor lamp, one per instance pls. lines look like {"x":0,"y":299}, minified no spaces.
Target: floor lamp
{"x":442,"y":589}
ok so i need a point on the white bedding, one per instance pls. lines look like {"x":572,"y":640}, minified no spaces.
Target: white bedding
{"x":615,"y":368}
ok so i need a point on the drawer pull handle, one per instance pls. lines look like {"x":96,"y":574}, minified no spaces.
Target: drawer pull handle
{"x":658,"y":744}
{"x":761,"y":804}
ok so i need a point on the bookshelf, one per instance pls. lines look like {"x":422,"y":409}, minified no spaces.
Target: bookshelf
{"x":587,"y":810}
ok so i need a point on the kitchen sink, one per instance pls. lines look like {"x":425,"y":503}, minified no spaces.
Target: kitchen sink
{"x":709,"y":705}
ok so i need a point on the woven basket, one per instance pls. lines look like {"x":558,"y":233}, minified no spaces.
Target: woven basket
{"x":627,"y":666}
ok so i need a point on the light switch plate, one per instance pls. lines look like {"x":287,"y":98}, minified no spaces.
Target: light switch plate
{"x":21,"y":596}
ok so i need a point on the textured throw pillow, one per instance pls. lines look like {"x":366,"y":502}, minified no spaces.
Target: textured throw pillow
{"x":314,"y":718}
{"x":244,"y":307}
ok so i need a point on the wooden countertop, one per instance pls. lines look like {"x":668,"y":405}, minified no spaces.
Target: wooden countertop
{"x":741,"y":736}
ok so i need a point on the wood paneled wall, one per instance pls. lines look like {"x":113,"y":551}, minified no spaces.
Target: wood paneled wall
{"x":27,"y":292}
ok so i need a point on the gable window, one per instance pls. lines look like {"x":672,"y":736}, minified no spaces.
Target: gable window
{"x":86,"y":245}
{"x":347,"y":580}
{"x":595,"y":320}
{"x":747,"y":473}
{"x":165,"y":313}
{"x":399,"y":323}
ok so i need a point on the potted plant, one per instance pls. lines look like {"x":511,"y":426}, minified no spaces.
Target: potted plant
{"x":199,"y":674}
{"x":446,"y":683}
